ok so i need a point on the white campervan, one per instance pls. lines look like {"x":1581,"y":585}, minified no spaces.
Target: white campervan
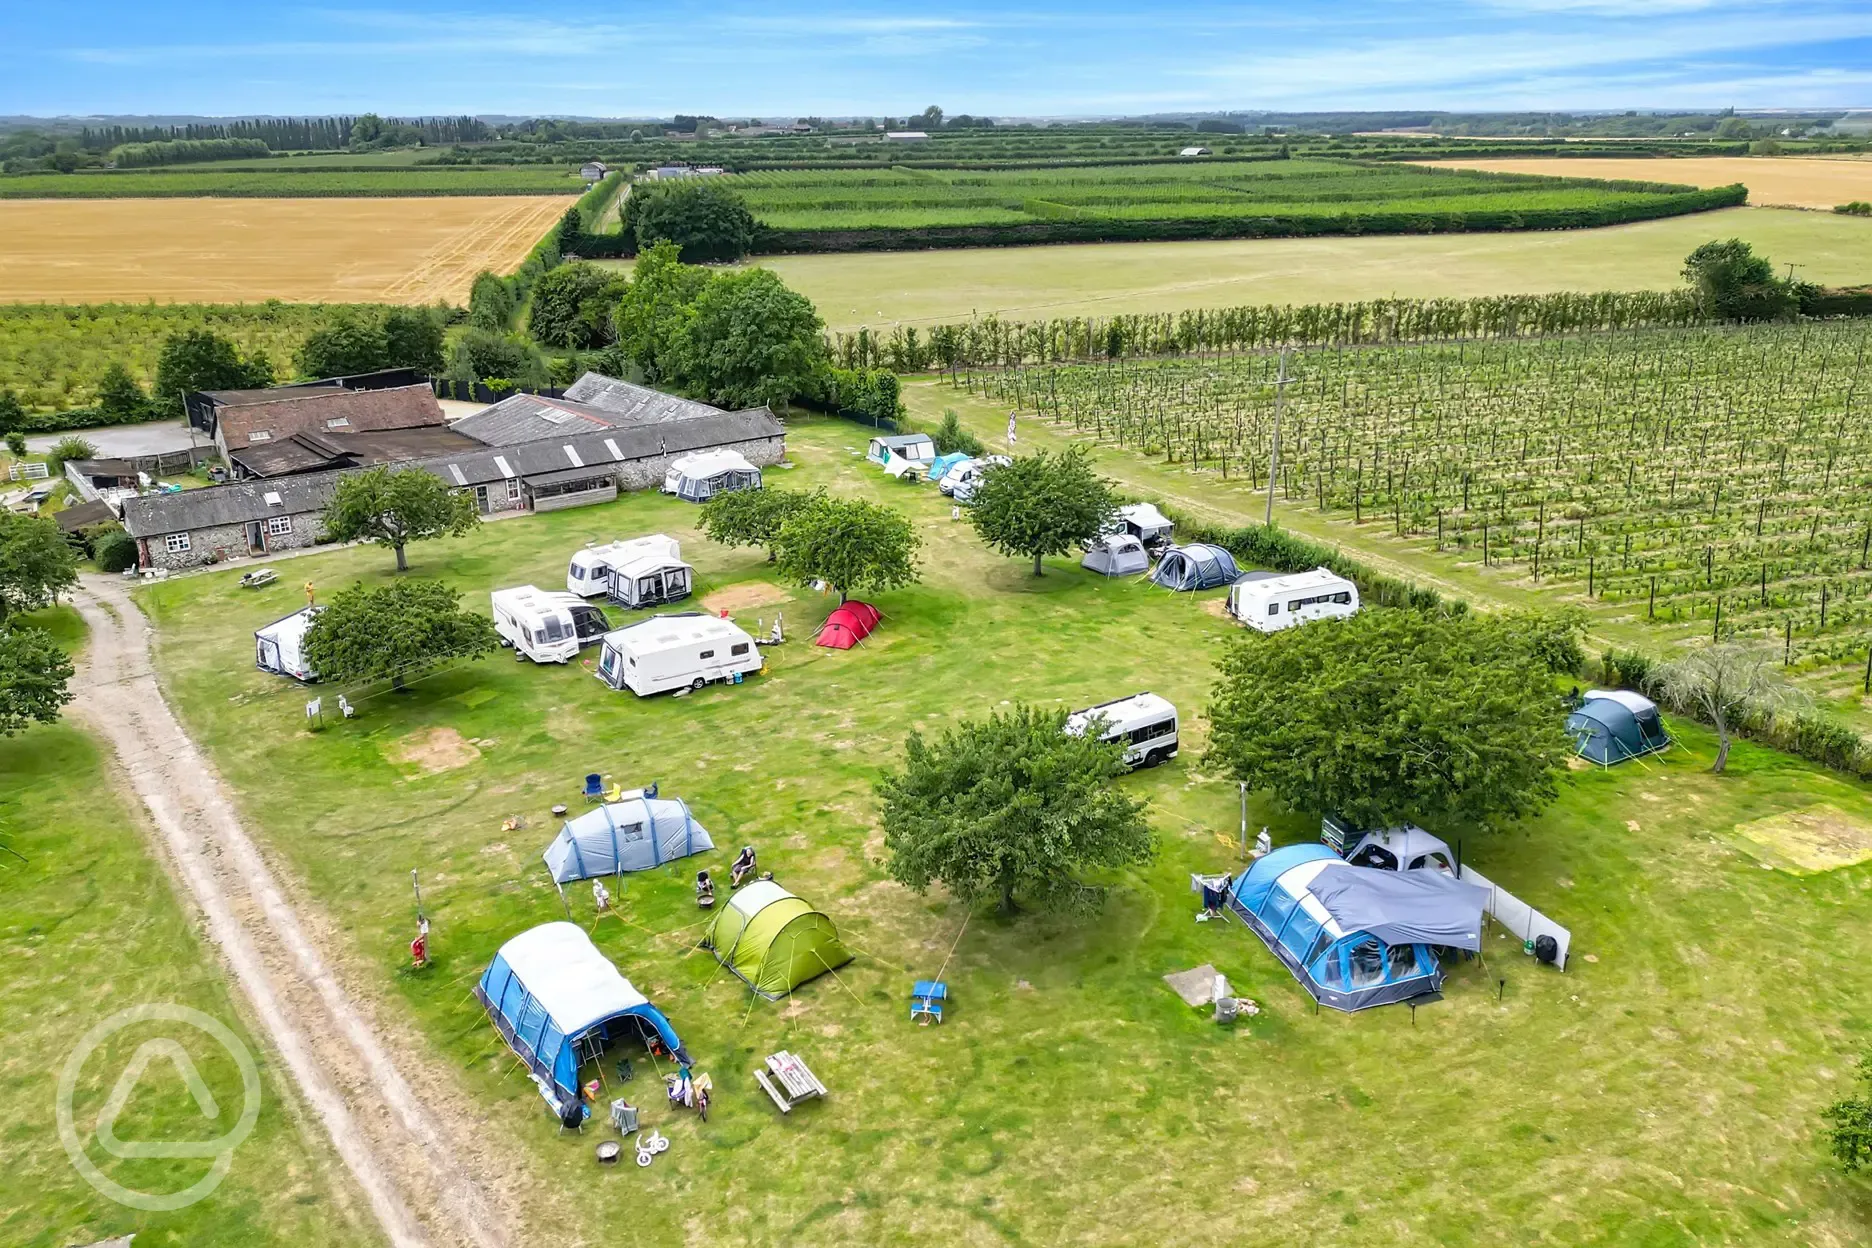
{"x":589,"y":573}
{"x":960,"y":481}
{"x":545,"y":627}
{"x":1144,"y":722}
{"x":684,"y":651}
{"x":1270,"y":602}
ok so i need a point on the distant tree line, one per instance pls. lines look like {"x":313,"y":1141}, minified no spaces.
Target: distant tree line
{"x":185,"y":151}
{"x":292,"y":133}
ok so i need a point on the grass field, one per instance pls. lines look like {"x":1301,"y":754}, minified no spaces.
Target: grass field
{"x":224,"y":251}
{"x":220,"y":181}
{"x":89,"y":925}
{"x":1664,"y":1092}
{"x":1799,"y":182}
{"x":925,"y":287}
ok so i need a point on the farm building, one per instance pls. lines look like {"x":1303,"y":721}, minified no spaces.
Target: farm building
{"x":1356,"y":937}
{"x":327,"y":451}
{"x":772,"y":941}
{"x":1269,"y":602}
{"x":1196,"y":566}
{"x":93,"y":479}
{"x":594,"y":170}
{"x":239,"y":419}
{"x":1195,"y":151}
{"x":700,"y":477}
{"x":638,"y":832}
{"x":1613,"y":725}
{"x":591,"y":403}
{"x":553,"y":997}
{"x":194,"y":527}
{"x":906,"y":136}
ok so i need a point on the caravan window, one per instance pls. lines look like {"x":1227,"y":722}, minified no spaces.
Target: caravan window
{"x":740,"y":647}
{"x":1401,"y":961}
{"x":608,"y":662}
{"x":706,"y":654}
{"x":1150,"y":732}
{"x":554,"y":631}
{"x":1343,"y":598}
{"x":578,"y":573}
{"x":1273,"y":608}
{"x":1366,"y":964}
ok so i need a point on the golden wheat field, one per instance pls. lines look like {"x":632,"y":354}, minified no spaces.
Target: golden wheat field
{"x":1777,"y":181}
{"x":390,"y":250}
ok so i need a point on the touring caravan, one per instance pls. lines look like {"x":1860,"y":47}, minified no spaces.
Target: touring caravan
{"x":277,"y":647}
{"x":685,"y":651}
{"x":589,"y":573}
{"x":1145,"y":723}
{"x":917,"y":446}
{"x":545,"y":627}
{"x":1269,"y":602}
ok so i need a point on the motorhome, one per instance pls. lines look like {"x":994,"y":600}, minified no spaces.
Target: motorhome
{"x":960,"y":481}
{"x":544,"y":626}
{"x":589,"y":573}
{"x":1269,"y":602}
{"x":683,"y":651}
{"x":278,"y":648}
{"x":1145,"y":723}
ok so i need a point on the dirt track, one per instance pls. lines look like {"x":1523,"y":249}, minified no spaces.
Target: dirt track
{"x":427,"y":1172}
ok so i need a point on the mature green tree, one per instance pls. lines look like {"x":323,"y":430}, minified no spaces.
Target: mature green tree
{"x":705,"y":219}
{"x":571,"y":231}
{"x":754,"y":517}
{"x":35,"y":678}
{"x":748,"y":340}
{"x":36,"y":564}
{"x":490,"y":302}
{"x":650,"y":316}
{"x":1044,"y":504}
{"x":1722,"y":684}
{"x":1734,"y":284}
{"x":952,"y":439}
{"x":394,"y":632}
{"x":482,"y":354}
{"x":1010,"y":806}
{"x":851,"y":545}
{"x":12,"y":414}
{"x":572,"y":306}
{"x":120,"y":396}
{"x":413,"y":339}
{"x":200,"y":359}
{"x":1393,"y":716}
{"x":351,"y":342}
{"x":394,"y":507}
{"x":1849,"y":1128}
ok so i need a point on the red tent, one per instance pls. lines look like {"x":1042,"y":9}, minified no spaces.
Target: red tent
{"x":847,"y":626}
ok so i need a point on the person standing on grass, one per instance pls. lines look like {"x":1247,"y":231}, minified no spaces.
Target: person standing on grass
{"x":1010,"y":438}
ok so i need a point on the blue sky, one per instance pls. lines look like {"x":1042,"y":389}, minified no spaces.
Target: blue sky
{"x":1037,"y":57}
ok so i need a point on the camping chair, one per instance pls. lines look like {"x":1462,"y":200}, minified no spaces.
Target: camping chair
{"x":615,"y":793}
{"x":594,"y":787}
{"x":926,"y":1000}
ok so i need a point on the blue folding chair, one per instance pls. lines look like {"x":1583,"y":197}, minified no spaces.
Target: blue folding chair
{"x":594,"y":787}
{"x":926,"y":1000}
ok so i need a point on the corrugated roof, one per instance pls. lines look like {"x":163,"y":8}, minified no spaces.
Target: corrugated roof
{"x":634,"y":403}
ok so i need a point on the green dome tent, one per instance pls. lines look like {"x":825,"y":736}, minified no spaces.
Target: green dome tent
{"x":774,"y":941}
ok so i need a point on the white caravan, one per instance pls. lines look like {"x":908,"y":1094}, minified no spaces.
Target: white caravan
{"x":589,"y":573}
{"x":543,"y":626}
{"x":1145,"y":723}
{"x":1270,"y":602}
{"x":960,"y":481}
{"x":277,"y":647}
{"x":684,"y":651}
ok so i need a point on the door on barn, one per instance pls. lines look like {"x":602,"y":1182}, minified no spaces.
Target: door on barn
{"x":256,"y":537}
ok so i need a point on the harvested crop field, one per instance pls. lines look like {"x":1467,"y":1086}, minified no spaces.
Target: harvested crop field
{"x":1773,"y":181}
{"x":247,"y":250}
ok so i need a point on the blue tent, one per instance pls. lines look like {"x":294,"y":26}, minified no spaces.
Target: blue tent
{"x":1611,"y":727}
{"x":1196,"y":566}
{"x":1356,"y":937}
{"x":635,"y":833}
{"x":940,"y":466}
{"x":550,"y":992}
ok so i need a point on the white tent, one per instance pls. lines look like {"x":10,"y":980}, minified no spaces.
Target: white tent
{"x":1116,"y":554}
{"x":699,"y":477}
{"x":634,"y":833}
{"x":1407,"y":848}
{"x":896,"y":465}
{"x":277,"y":646}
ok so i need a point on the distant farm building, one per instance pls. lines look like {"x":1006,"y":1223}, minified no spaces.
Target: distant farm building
{"x":1195,"y":151}
{"x":594,"y":170}
{"x":905,"y":136}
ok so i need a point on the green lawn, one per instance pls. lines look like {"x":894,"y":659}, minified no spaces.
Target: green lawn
{"x":1026,"y":283}
{"x":1664,"y":1091}
{"x":89,"y":926}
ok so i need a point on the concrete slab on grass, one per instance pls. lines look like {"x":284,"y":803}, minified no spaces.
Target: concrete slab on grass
{"x":1196,"y":986}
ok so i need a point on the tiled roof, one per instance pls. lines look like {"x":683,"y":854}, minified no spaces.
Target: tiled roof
{"x":314,"y":410}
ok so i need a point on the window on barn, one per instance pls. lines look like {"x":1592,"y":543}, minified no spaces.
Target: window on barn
{"x":279,"y":526}
{"x":513,"y":489}
{"x":338,"y":422}
{"x":260,"y":435}
{"x":176,"y":543}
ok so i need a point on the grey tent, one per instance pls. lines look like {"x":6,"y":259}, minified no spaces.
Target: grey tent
{"x":1196,"y":566}
{"x":1404,"y":907}
{"x":1406,"y":848}
{"x":634,"y":834}
{"x":1116,"y":554}
{"x":1612,"y":726}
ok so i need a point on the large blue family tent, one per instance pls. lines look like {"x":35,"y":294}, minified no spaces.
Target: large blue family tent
{"x":1353,"y":936}
{"x":940,"y":466}
{"x":1196,"y":566}
{"x":554,"y":998}
{"x":1611,"y":726}
{"x":635,"y":833}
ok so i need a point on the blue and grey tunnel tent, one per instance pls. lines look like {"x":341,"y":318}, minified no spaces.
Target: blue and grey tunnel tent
{"x":1611,"y":726}
{"x":1356,"y":937}
{"x":1196,"y":566}
{"x":634,"y":834}
{"x":553,"y":997}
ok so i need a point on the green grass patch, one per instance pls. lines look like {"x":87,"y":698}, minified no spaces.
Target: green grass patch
{"x":1656,"y":1093}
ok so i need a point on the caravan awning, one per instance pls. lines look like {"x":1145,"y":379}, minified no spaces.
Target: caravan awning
{"x":1403,"y":907}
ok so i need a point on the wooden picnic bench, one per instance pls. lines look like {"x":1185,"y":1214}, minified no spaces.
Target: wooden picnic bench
{"x":788,"y":1081}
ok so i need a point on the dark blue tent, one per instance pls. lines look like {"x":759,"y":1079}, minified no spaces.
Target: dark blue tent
{"x":1353,"y":936}
{"x":1610,"y":727}
{"x":1196,"y":566}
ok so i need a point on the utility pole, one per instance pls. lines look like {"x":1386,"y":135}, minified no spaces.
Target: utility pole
{"x":1280,"y":392}
{"x":1242,"y":785}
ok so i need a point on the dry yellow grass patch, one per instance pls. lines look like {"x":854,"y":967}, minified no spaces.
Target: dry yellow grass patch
{"x":410,"y":250}
{"x":439,"y":749}
{"x":1775,"y":181}
{"x":1809,"y":840}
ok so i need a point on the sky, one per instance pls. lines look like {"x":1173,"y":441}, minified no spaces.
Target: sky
{"x":1033,"y":58}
